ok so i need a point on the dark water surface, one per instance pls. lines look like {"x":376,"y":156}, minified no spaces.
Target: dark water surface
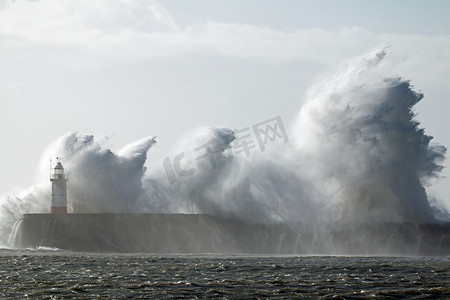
{"x":45,"y":274}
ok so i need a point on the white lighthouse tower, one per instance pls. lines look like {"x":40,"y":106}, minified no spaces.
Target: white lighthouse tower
{"x":59,"y":189}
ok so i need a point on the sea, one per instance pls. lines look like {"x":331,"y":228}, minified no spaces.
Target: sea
{"x":46,"y":273}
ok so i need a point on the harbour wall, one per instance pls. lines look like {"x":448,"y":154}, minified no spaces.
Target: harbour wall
{"x":200,"y":233}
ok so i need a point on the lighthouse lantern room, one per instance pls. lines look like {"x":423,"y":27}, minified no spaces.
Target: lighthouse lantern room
{"x":59,"y":189}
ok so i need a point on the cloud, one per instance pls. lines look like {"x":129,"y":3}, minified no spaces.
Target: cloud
{"x":140,"y":29}
{"x":43,"y":19}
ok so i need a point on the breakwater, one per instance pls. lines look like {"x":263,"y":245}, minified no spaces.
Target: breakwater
{"x":199,"y":233}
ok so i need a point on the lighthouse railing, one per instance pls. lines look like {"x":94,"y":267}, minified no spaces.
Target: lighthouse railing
{"x":57,"y":176}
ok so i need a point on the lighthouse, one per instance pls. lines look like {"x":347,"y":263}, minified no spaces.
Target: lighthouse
{"x":59,"y":189}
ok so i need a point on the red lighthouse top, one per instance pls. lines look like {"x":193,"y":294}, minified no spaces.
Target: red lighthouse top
{"x":58,"y":171}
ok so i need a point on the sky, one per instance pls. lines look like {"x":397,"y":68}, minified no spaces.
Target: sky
{"x":124,"y":70}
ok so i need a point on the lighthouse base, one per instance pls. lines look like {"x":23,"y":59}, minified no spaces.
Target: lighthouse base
{"x":58,"y":210}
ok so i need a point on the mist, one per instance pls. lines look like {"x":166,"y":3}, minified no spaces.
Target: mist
{"x":355,"y":154}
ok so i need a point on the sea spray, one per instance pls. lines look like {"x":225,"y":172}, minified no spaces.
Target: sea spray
{"x":12,"y":207}
{"x":14,"y":231}
{"x":362,"y":137}
{"x":103,"y":181}
{"x":99,"y":181}
{"x":260,"y":189}
{"x":357,"y":155}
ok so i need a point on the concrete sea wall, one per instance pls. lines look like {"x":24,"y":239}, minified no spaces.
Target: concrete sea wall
{"x":190,"y":233}
{"x":153,"y":233}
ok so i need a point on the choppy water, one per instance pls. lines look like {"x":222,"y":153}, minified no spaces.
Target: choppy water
{"x":60,"y":274}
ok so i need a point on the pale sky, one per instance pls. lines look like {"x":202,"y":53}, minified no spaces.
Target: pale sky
{"x":123,"y":70}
